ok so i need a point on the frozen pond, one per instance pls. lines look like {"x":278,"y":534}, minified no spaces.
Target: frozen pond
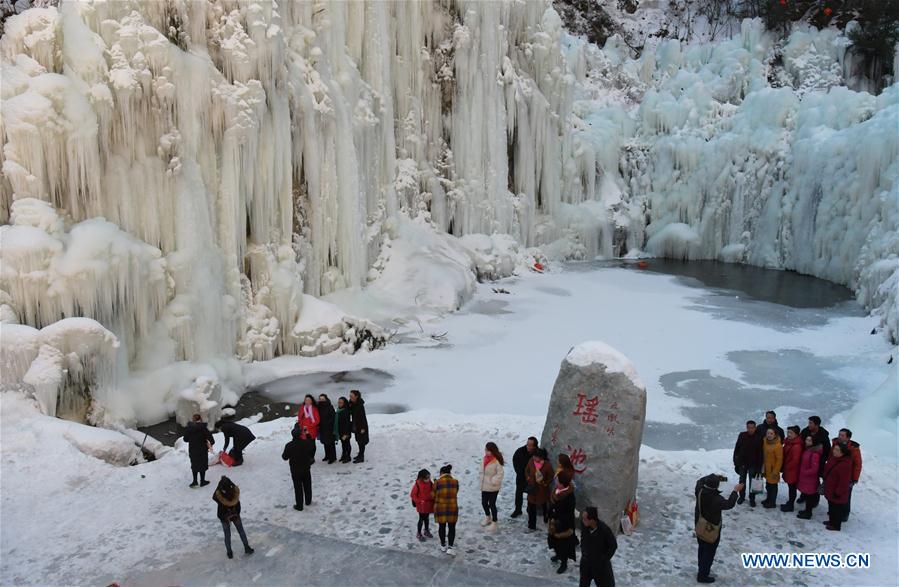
{"x":715,"y":343}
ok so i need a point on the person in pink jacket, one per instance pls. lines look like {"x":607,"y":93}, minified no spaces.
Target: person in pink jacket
{"x":808,"y":476}
{"x":422,"y":495}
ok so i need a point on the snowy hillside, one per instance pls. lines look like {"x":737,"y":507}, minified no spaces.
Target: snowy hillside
{"x":216,"y":182}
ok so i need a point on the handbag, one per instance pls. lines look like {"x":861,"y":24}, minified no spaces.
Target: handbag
{"x":757,"y":485}
{"x":705,"y":530}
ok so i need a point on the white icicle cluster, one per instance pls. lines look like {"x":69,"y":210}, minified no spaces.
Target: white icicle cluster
{"x":728,"y":155}
{"x":188,"y":173}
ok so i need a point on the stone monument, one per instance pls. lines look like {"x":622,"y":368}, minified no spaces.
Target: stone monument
{"x":596,"y":414}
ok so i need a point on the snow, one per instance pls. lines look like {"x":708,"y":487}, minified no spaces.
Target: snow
{"x":714,"y":151}
{"x":191,"y":174}
{"x":595,"y":351}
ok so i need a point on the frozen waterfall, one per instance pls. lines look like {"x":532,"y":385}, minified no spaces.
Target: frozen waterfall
{"x":208,"y":181}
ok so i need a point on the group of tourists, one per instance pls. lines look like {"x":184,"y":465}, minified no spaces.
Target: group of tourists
{"x":807,"y":460}
{"x":549,"y":490}
{"x":315,"y":421}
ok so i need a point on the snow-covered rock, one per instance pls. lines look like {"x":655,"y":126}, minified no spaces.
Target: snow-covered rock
{"x":596,"y":414}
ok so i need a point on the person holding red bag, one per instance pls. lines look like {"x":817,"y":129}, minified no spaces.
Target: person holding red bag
{"x":422,"y":495}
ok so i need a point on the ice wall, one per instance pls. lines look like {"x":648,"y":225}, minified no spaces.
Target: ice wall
{"x":188,"y":172}
{"x":751,"y":151}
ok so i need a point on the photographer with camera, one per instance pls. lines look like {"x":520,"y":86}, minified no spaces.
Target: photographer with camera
{"x":707,"y":517}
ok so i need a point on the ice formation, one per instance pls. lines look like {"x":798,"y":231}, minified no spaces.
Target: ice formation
{"x":190,"y":173}
{"x":715,"y":151}
{"x":197,"y":176}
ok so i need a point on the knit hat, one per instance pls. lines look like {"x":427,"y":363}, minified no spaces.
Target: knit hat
{"x":711,"y":482}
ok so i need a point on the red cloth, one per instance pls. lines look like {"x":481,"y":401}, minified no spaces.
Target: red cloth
{"x":423,"y":496}
{"x":808,"y":471}
{"x":837,"y":477}
{"x":855,"y":451}
{"x":487,"y":459}
{"x":311,"y":423}
{"x":792,"y":456}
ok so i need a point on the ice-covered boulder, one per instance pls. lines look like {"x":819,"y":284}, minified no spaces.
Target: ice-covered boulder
{"x":203,"y":397}
{"x":596,"y":414}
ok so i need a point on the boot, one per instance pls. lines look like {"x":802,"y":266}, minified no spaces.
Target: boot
{"x":787,"y":507}
{"x":492,"y":527}
{"x":708,"y":579}
{"x":486,"y":521}
{"x":805,"y":515}
{"x":248,"y":550}
{"x":563,"y":567}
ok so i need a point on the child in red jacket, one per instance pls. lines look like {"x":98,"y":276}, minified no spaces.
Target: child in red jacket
{"x":423,"y":501}
{"x":792,"y":457}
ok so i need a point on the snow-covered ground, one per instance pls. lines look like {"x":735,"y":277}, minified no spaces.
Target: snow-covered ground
{"x":70,"y":518}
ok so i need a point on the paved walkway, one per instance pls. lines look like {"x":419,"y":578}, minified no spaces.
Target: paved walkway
{"x":285,"y":557}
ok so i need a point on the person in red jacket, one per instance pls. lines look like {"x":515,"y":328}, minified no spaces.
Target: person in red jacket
{"x":837,"y":480}
{"x":808,"y":476}
{"x":309,"y":419}
{"x":792,"y":456}
{"x":855,"y":452}
{"x":422,"y":495}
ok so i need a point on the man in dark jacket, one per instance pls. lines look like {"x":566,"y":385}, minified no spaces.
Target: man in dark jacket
{"x":198,"y":439}
{"x":771,"y":422}
{"x":360,"y":423}
{"x":710,"y":504}
{"x":748,"y":458}
{"x":598,"y":546}
{"x":299,"y":452}
{"x":820,"y":436}
{"x":519,"y":463}
{"x":242,"y":437}
{"x":326,"y":428}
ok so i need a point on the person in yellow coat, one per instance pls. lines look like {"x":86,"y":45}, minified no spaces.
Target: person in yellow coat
{"x":773,"y":452}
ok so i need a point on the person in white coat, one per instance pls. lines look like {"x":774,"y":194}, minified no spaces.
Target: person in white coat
{"x":491,"y":481}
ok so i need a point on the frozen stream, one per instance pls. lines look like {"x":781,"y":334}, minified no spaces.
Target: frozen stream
{"x":715,"y":343}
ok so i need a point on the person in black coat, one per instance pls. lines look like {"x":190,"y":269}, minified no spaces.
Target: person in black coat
{"x":560,"y":531}
{"x":748,"y":458}
{"x":360,"y":423}
{"x":199,"y":439}
{"x":771,"y":422}
{"x":326,"y":432}
{"x":710,"y":504}
{"x":344,"y":428}
{"x":242,"y":437}
{"x":520,"y":462}
{"x":299,"y":453}
{"x":227,"y":496}
{"x":598,"y":546}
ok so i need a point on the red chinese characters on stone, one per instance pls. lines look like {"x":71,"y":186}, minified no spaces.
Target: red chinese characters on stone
{"x":586,"y":409}
{"x":578,"y":459}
